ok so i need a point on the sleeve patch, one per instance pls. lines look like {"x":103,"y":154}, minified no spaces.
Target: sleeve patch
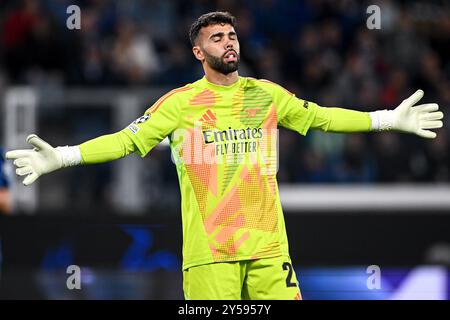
{"x":142,"y":119}
{"x":133,"y":128}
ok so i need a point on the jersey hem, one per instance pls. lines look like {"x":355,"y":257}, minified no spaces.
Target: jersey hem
{"x":248,"y":257}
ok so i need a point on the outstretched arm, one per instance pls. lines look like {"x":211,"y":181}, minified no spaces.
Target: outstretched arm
{"x":140,"y":136}
{"x":44,"y":158}
{"x":407,"y":117}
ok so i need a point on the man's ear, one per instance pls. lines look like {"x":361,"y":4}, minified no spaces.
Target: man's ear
{"x":198,"y":53}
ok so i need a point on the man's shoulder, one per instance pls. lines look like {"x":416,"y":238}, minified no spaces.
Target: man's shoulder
{"x":180,"y":91}
{"x":265,"y":84}
{"x":186,"y":91}
{"x":177,"y":94}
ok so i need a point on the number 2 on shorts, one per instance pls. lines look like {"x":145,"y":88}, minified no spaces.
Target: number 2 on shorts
{"x":289,"y":283}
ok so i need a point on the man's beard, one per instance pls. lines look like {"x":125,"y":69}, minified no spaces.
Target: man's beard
{"x":219,"y":65}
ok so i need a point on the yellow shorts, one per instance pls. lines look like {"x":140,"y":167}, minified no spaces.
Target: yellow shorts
{"x":262,"y":279}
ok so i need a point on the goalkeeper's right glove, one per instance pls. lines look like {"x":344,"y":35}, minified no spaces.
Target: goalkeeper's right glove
{"x":42,"y":159}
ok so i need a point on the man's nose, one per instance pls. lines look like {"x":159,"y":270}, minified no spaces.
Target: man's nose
{"x":229,"y":45}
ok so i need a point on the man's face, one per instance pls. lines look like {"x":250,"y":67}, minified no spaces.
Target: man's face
{"x":219,"y":47}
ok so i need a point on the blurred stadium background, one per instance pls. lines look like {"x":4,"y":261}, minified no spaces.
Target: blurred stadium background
{"x":350,"y":201}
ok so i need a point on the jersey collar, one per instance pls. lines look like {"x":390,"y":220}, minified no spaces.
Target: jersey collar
{"x":218,"y":87}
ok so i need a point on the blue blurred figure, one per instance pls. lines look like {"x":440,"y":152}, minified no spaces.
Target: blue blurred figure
{"x":5,"y":198}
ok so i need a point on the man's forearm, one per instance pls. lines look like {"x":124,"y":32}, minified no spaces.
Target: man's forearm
{"x":341,"y":120}
{"x":407,"y":117}
{"x":44,"y":158}
{"x":106,"y":148}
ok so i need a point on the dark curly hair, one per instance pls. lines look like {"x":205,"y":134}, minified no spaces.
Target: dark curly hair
{"x":208,"y":19}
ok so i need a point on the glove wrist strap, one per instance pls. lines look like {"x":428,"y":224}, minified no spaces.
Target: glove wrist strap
{"x":71,"y":156}
{"x":382,"y":120}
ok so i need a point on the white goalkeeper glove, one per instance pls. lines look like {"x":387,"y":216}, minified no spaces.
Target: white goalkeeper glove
{"x":42,"y":159}
{"x":409,"y":118}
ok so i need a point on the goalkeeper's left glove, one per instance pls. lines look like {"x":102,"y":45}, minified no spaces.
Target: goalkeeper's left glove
{"x":410,"y":118}
{"x":42,"y":159}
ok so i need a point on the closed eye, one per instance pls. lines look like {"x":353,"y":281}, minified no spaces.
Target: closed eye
{"x":217,"y":36}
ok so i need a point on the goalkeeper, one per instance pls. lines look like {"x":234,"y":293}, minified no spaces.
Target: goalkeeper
{"x":234,"y":237}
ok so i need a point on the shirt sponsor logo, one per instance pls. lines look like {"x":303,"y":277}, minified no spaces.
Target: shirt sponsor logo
{"x":233,"y":141}
{"x":211,"y":136}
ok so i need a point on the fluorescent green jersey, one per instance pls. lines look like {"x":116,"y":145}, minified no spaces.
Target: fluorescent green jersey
{"x":223,"y":141}
{"x":224,"y":144}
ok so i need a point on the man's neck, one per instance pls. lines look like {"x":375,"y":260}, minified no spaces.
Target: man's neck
{"x":222,"y":79}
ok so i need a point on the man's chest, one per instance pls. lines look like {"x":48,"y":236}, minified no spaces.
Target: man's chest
{"x":242,"y":109}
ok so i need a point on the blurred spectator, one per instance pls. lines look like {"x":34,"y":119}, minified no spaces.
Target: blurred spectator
{"x":5,"y":198}
{"x":396,"y":87}
{"x":17,"y":29}
{"x":438,"y":159}
{"x":178,"y":67}
{"x":357,"y":162}
{"x":391,"y":157}
{"x":133,"y":57}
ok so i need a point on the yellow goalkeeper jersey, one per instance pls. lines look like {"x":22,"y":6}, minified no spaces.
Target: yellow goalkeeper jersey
{"x":224,"y":145}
